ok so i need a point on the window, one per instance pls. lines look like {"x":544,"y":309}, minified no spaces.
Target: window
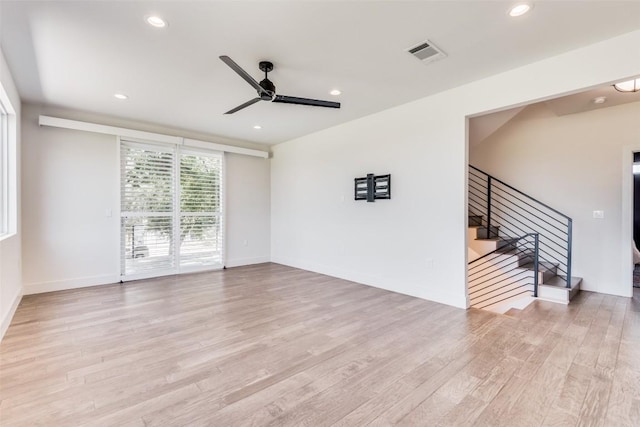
{"x":4,"y":169}
{"x":8,"y":201}
{"x":171,"y":210}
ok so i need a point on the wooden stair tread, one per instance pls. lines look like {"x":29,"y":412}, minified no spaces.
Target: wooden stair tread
{"x":541,"y":265}
{"x":560,"y":282}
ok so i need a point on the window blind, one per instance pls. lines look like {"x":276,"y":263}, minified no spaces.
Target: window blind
{"x":147,"y":210}
{"x":171,"y":213}
{"x":200,"y":209}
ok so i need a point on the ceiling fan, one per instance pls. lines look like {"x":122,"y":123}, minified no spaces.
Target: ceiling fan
{"x":267,"y":90}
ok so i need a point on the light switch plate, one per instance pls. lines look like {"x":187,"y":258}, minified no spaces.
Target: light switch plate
{"x":598,"y":214}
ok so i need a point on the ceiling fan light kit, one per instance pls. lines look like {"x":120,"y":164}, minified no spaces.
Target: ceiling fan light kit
{"x":267,"y":90}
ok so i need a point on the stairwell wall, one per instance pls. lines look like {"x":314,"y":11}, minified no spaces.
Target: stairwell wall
{"x":414,"y":243}
{"x":572,"y":163}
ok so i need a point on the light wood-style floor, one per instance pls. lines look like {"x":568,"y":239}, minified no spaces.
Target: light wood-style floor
{"x":273,"y":345}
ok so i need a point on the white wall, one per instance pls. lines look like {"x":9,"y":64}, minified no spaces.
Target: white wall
{"x":317,"y":225}
{"x":573,"y":163}
{"x":416,"y":242}
{"x":10,"y":259}
{"x":248,"y":209}
{"x":70,"y":180}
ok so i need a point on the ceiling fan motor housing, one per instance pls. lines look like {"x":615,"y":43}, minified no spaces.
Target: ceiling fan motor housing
{"x":267,"y":85}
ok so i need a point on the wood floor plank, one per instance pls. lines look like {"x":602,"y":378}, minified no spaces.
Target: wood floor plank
{"x":273,"y":345}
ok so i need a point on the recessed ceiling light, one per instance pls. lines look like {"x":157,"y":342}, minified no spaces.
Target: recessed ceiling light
{"x":519,"y":9}
{"x":257,"y":127}
{"x":156,"y":21}
{"x":628,"y":86}
{"x":121,"y":96}
{"x":599,"y":99}
{"x":335,"y":92}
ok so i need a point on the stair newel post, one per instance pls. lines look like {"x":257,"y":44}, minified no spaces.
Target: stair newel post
{"x":489,"y":207}
{"x":569,"y":232}
{"x":536,"y":272}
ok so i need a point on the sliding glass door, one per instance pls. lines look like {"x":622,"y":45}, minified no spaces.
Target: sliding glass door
{"x":171,"y":210}
{"x":200,"y":210}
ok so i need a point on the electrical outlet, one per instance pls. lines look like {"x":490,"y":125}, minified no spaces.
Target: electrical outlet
{"x":598,"y":214}
{"x":245,"y":243}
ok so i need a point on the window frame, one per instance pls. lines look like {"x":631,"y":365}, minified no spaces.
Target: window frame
{"x":8,"y":167}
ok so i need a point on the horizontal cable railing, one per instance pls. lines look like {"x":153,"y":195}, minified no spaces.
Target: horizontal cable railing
{"x":510,"y":271}
{"x":503,"y":212}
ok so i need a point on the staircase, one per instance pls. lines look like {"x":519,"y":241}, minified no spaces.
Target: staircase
{"x":519,"y":248}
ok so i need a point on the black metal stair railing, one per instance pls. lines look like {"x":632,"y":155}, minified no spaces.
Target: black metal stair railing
{"x":512,"y":270}
{"x":503,"y":211}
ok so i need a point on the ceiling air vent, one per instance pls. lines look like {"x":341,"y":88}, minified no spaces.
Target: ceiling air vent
{"x":427,"y":52}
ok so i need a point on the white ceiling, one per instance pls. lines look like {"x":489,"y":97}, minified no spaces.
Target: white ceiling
{"x":78,"y":54}
{"x":583,"y":101}
{"x":482,"y":127}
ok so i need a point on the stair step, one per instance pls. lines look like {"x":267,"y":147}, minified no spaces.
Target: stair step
{"x":507,"y":244}
{"x":549,"y":270}
{"x":497,"y":294}
{"x":516,"y":302}
{"x":555,"y":289}
{"x":475,"y":220}
{"x":561,"y":282}
{"x":513,"y":312}
{"x":482,"y":233}
{"x":526,"y":258}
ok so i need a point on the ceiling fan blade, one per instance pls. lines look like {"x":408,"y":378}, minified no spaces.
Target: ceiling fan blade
{"x":245,"y":105}
{"x":242,"y":73}
{"x":305,"y":101}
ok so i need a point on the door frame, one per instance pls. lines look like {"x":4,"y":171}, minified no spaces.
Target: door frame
{"x":626,"y":251}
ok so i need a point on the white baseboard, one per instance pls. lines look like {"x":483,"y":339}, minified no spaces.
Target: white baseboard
{"x":61,"y":285}
{"x":8,"y":317}
{"x":386,"y":283}
{"x":237,"y":262}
